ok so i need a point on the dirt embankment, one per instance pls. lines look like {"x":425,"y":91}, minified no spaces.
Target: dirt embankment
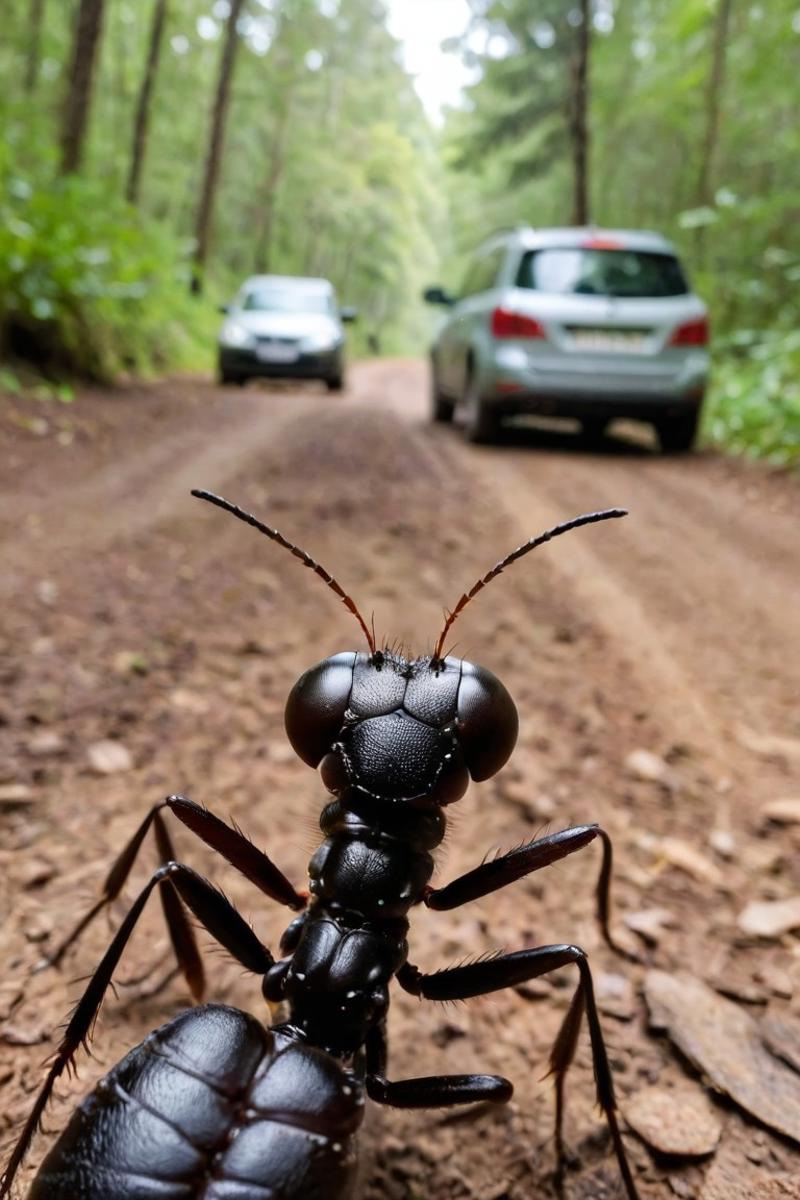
{"x":653,"y":661}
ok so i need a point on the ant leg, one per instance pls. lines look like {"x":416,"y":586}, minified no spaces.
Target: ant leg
{"x":218,"y":917}
{"x":433,"y":1091}
{"x":230,"y":842}
{"x":476,"y":979}
{"x":498,"y":872}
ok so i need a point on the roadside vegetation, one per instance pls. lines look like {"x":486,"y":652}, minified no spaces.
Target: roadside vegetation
{"x":156,"y":153}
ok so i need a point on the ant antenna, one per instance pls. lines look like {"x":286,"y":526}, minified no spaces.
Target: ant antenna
{"x":306,"y":559}
{"x":587,"y":519}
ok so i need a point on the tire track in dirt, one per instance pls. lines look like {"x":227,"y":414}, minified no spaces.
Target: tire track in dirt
{"x":146,"y":485}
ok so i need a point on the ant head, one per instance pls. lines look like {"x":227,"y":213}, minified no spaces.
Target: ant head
{"x":394,"y":729}
{"x":400,"y":730}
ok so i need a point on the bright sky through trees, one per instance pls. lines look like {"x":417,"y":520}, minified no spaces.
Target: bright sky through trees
{"x":422,"y":26}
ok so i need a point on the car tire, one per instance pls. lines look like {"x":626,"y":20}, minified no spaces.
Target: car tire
{"x":676,"y":435}
{"x":593,"y":428}
{"x":480,"y":423}
{"x":335,"y":383}
{"x":231,"y":378}
{"x":442,"y":408}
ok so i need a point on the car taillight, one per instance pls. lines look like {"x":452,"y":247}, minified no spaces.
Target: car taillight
{"x":602,"y":243}
{"x":507,"y":324}
{"x":693,"y":333}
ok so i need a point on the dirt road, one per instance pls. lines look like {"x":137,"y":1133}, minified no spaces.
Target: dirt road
{"x":132,"y":614}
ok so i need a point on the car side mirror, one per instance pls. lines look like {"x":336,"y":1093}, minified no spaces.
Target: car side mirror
{"x":438,"y":295}
{"x":224,"y":309}
{"x":348,"y":313}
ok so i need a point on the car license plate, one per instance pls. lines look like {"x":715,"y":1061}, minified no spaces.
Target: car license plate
{"x":276,"y":352}
{"x":610,"y":341}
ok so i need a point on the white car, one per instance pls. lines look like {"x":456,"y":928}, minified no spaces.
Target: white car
{"x":580,"y":322}
{"x":283,"y":327}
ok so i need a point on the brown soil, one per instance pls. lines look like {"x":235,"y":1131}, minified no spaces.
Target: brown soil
{"x":130,"y":612}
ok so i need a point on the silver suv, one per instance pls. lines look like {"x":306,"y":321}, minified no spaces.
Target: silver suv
{"x":585,"y":323}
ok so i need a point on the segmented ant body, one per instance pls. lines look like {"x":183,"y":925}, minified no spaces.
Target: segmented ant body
{"x":214,"y":1105}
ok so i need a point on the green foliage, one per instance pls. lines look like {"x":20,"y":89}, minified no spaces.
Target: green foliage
{"x":754,"y":405}
{"x":86,"y":284}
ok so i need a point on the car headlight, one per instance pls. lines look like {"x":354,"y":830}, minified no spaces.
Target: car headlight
{"x":235,"y":335}
{"x":320,"y":343}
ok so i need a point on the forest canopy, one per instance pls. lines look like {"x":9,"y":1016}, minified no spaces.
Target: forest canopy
{"x":156,"y":152}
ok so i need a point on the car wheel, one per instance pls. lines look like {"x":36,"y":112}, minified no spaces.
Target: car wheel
{"x":334,"y":383}
{"x":676,"y":435}
{"x":480,"y":422}
{"x":442,"y":408}
{"x":231,"y":378}
{"x":593,"y":428}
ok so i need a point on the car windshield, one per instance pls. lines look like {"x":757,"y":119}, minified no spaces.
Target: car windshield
{"x":584,"y":271}
{"x":287,"y":300}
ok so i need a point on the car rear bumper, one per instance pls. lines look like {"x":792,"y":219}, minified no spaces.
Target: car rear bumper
{"x":305,"y":366}
{"x":644,"y":391}
{"x":569,"y":405}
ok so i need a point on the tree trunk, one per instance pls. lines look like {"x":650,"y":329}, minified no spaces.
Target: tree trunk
{"x":81,"y":75}
{"x":214,"y":155}
{"x":35,"y":22}
{"x":274,"y":172}
{"x":142,"y":121}
{"x":716,"y":82}
{"x":578,"y":125}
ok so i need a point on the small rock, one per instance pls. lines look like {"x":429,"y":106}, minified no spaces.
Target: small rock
{"x":784,"y":811}
{"x":692,"y":861}
{"x":650,"y":923}
{"x":769,"y":745}
{"x":544,"y":807}
{"x":779,"y":982}
{"x":737,"y":983}
{"x":447,"y":1032}
{"x":47,"y":591}
{"x":724,"y":1043}
{"x":109,"y":758}
{"x":15,"y":793}
{"x":534,"y":989}
{"x":130,"y":662}
{"x":45,"y":743}
{"x":188,"y":701}
{"x":250,"y":646}
{"x":770,"y":918}
{"x":643,"y":764}
{"x":782,"y":1036}
{"x":615,"y":995}
{"x":38,"y":927}
{"x":534,"y":805}
{"x":11,"y":1036}
{"x":679,"y":1121}
{"x":723,"y":842}
{"x":281,"y":752}
{"x":35,"y":873}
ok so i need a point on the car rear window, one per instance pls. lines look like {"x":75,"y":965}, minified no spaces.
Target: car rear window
{"x":591,"y":271}
{"x":288,"y":300}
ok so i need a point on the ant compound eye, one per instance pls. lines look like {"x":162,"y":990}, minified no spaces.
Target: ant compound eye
{"x":487,"y":721}
{"x":316,"y":707}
